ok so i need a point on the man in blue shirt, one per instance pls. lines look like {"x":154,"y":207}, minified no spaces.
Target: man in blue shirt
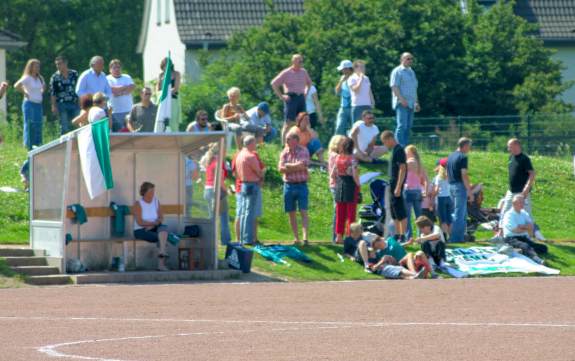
{"x":459,"y":188}
{"x":344,"y":120}
{"x":403,"y":83}
{"x":94,"y":80}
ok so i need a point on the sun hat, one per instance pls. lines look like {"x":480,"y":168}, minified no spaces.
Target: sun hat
{"x":345,"y":64}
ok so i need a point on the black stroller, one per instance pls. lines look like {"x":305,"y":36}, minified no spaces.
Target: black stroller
{"x":373,"y":215}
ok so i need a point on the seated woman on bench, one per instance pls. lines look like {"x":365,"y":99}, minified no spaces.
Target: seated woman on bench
{"x":148,"y":219}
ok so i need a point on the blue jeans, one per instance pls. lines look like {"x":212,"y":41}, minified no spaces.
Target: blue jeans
{"x":270,"y":136}
{"x":118,"y":121}
{"x":343,"y":123}
{"x":404,"y":119}
{"x":67,"y":112}
{"x":225,"y":235}
{"x":413,"y":199}
{"x":248,"y":211}
{"x":32,"y":123}
{"x":458,"y":195}
{"x":356,"y":112}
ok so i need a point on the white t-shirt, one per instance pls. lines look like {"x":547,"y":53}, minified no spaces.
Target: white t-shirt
{"x":362,"y":96}
{"x":122,"y":103}
{"x":513,"y":219}
{"x":365,"y":134}
{"x":33,"y":87}
{"x":443,"y":186}
{"x":309,"y":104}
{"x":96,"y":113}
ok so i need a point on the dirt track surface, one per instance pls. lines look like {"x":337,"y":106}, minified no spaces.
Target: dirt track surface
{"x":476,"y":319}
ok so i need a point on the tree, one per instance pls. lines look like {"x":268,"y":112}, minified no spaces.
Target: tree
{"x":78,"y":29}
{"x":479,"y":62}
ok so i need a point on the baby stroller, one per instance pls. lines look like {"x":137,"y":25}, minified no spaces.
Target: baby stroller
{"x":373,"y":215}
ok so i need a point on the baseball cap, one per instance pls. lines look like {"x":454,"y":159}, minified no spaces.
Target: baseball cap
{"x":442,"y":162}
{"x":345,"y":64}
{"x":264,"y":107}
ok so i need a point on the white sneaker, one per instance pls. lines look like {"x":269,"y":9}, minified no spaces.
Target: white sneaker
{"x":539,"y":235}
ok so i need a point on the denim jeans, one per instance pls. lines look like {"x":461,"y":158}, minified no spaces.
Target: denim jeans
{"x":67,"y":112}
{"x":413,"y":199}
{"x":356,"y":112}
{"x":404,"y":120}
{"x":118,"y":121}
{"x":458,"y":195}
{"x":343,"y":123}
{"x":249,"y":193}
{"x":32,"y":123}
{"x":225,"y":235}
{"x":270,"y":136}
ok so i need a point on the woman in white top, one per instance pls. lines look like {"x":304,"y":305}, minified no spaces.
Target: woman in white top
{"x":148,"y":219}
{"x":32,"y":85}
{"x":361,"y":94}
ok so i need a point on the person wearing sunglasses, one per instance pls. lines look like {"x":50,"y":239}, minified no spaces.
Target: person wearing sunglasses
{"x":143,"y":114}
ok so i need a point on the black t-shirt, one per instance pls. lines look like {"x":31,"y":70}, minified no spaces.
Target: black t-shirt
{"x":397,"y":158}
{"x":455,"y":163}
{"x":519,"y":167}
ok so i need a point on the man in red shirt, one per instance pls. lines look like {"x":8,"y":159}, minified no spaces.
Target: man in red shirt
{"x":296,"y":83}
{"x":251,"y":173}
{"x":293,"y":165}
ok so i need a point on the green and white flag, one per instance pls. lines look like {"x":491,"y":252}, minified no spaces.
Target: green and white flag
{"x":165,"y":102}
{"x":94,"y":150}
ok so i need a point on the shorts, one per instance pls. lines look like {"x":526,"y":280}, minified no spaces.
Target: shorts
{"x":390,"y":272}
{"x":295,"y":197}
{"x":313,"y":121}
{"x":150,"y":235}
{"x":294,"y":106}
{"x":313,"y":146}
{"x":445,"y":209}
{"x":397,"y":208}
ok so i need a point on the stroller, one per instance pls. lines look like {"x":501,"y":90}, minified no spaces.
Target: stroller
{"x":373,"y":215}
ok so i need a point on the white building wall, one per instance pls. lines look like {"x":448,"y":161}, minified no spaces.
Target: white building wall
{"x":161,"y":38}
{"x":566,"y":54}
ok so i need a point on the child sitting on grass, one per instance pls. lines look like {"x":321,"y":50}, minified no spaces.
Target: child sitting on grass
{"x":432,"y":241}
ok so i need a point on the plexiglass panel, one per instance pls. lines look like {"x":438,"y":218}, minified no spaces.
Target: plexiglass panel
{"x":48,"y":177}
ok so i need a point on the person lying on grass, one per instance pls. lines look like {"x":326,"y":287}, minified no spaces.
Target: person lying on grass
{"x":432,"y":241}
{"x":389,"y":268}
{"x":391,"y":247}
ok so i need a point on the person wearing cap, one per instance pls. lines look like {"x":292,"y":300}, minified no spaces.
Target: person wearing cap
{"x":260,"y":123}
{"x":403,"y":84}
{"x":344,"y":121}
{"x":296,"y":83}
{"x":441,"y":190}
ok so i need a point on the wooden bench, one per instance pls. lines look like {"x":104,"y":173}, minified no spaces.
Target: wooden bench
{"x":108,"y":212}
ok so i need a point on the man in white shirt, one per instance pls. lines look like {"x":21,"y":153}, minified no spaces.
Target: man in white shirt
{"x":260,"y":123}
{"x":517,"y":228}
{"x":364,"y":133}
{"x":361,"y":94}
{"x":122,"y":86}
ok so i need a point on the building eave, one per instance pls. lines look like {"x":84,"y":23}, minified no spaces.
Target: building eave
{"x":144,"y":31}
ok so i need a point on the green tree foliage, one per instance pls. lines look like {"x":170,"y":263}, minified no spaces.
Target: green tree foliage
{"x":78,"y":29}
{"x":481,"y":62}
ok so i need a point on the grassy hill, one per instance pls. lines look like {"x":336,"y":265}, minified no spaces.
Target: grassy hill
{"x":553,"y":196}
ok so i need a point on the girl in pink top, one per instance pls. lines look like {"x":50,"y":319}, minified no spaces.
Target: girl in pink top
{"x":415,"y":185}
{"x":334,"y":149}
